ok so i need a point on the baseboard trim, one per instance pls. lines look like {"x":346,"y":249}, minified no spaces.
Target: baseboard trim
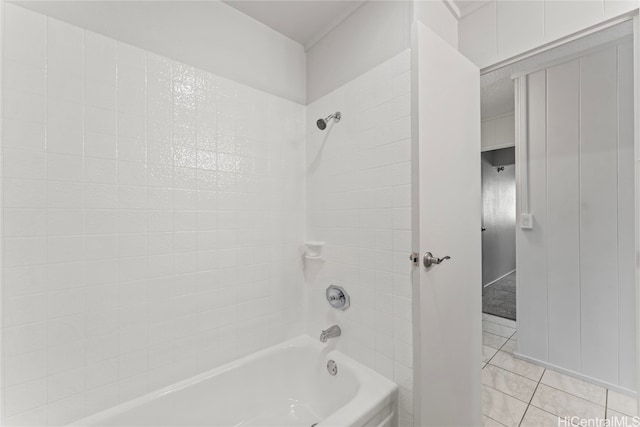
{"x":499,"y":278}
{"x":576,"y":375}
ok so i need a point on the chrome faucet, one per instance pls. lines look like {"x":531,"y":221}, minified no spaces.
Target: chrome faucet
{"x":332,"y":332}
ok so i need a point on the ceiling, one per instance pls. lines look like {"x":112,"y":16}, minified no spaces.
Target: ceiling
{"x":303,"y":21}
{"x":497,"y":98}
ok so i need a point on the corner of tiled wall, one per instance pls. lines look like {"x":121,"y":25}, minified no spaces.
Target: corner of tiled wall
{"x":359,"y":203}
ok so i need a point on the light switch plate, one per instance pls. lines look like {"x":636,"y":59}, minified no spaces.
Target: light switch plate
{"x":526,"y":221}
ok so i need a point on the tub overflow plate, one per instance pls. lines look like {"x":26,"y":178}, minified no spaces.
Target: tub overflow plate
{"x":332,"y":367}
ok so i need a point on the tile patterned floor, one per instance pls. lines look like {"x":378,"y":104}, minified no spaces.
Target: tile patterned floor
{"x":516,"y":393}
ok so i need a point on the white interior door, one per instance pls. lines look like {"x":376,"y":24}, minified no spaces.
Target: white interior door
{"x":447,"y":216}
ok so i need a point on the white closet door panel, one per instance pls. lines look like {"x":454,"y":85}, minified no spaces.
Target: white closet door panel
{"x":626,"y":223}
{"x":563,"y":191}
{"x":532,"y":247}
{"x":599,"y":215}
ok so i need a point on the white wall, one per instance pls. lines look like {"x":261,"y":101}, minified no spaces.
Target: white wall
{"x":152,"y":218}
{"x":372,"y":34}
{"x":359,"y":202}
{"x":242,"y":49}
{"x":502,"y":29}
{"x":576,"y":283}
{"x":209,"y":35}
{"x":498,"y":219}
{"x":436,"y":16}
{"x":498,"y":132}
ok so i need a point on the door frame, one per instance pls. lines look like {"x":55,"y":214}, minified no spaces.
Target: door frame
{"x":636,"y":131}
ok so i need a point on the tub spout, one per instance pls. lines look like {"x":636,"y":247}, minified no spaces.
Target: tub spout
{"x":332,"y":332}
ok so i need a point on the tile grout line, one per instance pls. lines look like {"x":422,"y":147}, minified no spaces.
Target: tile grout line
{"x":489,"y":316}
{"x":496,"y":421}
{"x":499,"y":324}
{"x":575,"y":395}
{"x":530,"y":400}
{"x":555,"y":388}
{"x":568,"y":393}
{"x":534,"y":391}
{"x":512,"y":373}
{"x":500,"y":349}
{"x":529,"y":404}
{"x":501,"y":336}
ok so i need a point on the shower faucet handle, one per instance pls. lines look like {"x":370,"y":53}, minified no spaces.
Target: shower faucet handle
{"x":338,"y":297}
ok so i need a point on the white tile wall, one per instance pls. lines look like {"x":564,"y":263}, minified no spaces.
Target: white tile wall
{"x":359,"y":202}
{"x":152,"y":218}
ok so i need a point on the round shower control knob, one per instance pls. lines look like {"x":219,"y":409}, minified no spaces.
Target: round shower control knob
{"x":338,"y":297}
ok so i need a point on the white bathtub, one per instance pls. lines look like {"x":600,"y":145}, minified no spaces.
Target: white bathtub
{"x":285,"y":385}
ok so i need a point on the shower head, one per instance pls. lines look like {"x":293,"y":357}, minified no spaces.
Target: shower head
{"x":322,"y":123}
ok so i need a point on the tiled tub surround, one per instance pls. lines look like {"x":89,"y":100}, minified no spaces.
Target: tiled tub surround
{"x":359,"y":201}
{"x":152,"y":218}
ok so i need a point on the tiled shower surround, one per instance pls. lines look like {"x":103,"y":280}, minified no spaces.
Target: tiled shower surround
{"x":153,"y":220}
{"x":359,"y":202}
{"x":153,"y":216}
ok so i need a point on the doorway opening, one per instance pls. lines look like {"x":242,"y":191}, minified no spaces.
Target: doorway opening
{"x":499,"y":232}
{"x":568,"y":114}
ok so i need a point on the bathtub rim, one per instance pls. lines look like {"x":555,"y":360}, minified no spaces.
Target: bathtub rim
{"x":374,"y":390}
